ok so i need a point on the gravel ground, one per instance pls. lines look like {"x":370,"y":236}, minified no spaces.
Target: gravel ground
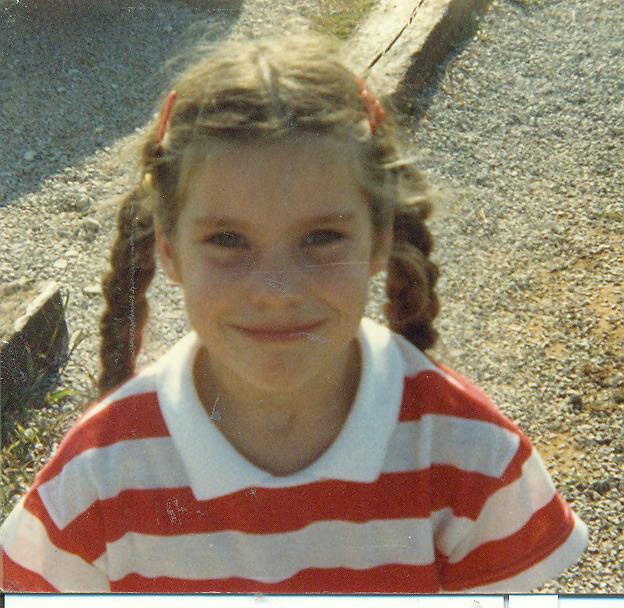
{"x":524,"y":127}
{"x":522,"y":132}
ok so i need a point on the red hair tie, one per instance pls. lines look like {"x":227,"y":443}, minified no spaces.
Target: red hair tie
{"x":164,"y":117}
{"x":373,"y":108}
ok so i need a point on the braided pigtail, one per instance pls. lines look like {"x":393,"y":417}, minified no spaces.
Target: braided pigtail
{"x":132,"y":269}
{"x":412,"y":301}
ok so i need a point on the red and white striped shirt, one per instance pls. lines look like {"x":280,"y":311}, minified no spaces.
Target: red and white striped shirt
{"x":427,"y":488}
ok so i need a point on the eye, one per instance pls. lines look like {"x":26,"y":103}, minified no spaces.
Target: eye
{"x":320,"y":238}
{"x":227,"y":240}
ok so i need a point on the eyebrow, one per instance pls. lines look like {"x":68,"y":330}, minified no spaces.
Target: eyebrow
{"x":216,"y":221}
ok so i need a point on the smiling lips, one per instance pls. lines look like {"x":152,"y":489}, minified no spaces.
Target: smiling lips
{"x":274,"y":333}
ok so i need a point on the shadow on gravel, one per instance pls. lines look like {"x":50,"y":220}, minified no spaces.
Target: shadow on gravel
{"x":423,"y":78}
{"x":76,"y":81}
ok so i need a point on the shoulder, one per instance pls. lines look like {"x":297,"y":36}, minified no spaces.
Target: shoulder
{"x":98,"y":453}
{"x":128,"y":412}
{"x":428,"y":388}
{"x":462,"y":426}
{"x":500,"y":523}
{"x":123,"y":428}
{"x":439,"y":390}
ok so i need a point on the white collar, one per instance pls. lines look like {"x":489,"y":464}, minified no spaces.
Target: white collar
{"x":215,"y":468}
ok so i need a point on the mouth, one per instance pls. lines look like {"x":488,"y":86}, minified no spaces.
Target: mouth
{"x":280,"y":333}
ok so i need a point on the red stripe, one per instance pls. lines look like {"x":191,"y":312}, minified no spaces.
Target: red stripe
{"x":15,"y":578}
{"x":471,"y":388}
{"x":173,"y":511}
{"x":431,"y":393}
{"x":514,"y":468}
{"x":464,"y":492}
{"x":501,"y":559}
{"x":82,"y":537}
{"x":383,"y":579}
{"x":135,"y":417}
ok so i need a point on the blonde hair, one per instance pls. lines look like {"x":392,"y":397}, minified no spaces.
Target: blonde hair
{"x":267,"y":90}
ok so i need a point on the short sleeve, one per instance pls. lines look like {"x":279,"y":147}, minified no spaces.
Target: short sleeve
{"x":523,"y":533}
{"x":45,"y":547}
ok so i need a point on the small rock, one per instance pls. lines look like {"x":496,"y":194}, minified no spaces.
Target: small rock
{"x":602,"y":486}
{"x":63,"y":233}
{"x":29,"y":155}
{"x":481,"y":179}
{"x":576,"y":401}
{"x":60,"y":264}
{"x":92,"y":290}
{"x":618,"y":395}
{"x":80,"y":204}
{"x":89,"y":227}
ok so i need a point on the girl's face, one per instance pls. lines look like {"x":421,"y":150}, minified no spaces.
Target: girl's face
{"x":273,"y":249}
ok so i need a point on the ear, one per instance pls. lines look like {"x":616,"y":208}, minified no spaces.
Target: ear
{"x":166,"y":253}
{"x":382,"y":247}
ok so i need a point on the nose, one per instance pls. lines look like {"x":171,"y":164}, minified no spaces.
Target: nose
{"x":275,"y":283}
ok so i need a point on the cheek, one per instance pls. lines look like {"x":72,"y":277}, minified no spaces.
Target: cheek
{"x":209,"y":284}
{"x":343,"y":279}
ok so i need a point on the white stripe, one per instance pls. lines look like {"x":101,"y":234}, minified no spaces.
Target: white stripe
{"x":469,"y":445}
{"x":138,"y":464}
{"x":506,"y":512}
{"x":101,"y":473}
{"x":414,"y":360}
{"x":273,"y":557}
{"x":25,"y":540}
{"x":138,"y":385}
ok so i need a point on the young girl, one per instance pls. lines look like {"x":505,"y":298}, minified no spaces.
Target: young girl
{"x":287,"y":444}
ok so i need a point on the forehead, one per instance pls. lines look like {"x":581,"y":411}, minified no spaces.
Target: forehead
{"x":308,"y":174}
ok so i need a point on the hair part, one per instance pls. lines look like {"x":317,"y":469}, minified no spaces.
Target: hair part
{"x":267,"y":90}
